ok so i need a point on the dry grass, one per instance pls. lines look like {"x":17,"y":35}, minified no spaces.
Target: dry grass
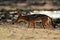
{"x":15,"y":32}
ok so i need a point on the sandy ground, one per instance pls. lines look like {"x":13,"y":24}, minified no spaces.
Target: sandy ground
{"x":17,"y":32}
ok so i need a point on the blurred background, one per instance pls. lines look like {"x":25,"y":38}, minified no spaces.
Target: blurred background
{"x":30,"y":4}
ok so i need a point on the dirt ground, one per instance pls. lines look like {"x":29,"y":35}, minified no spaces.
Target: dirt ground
{"x":17,"y":32}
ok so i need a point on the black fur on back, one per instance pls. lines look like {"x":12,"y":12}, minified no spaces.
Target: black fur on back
{"x":31,"y":17}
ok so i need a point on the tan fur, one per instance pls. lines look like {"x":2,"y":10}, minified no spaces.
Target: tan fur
{"x":46,"y":21}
